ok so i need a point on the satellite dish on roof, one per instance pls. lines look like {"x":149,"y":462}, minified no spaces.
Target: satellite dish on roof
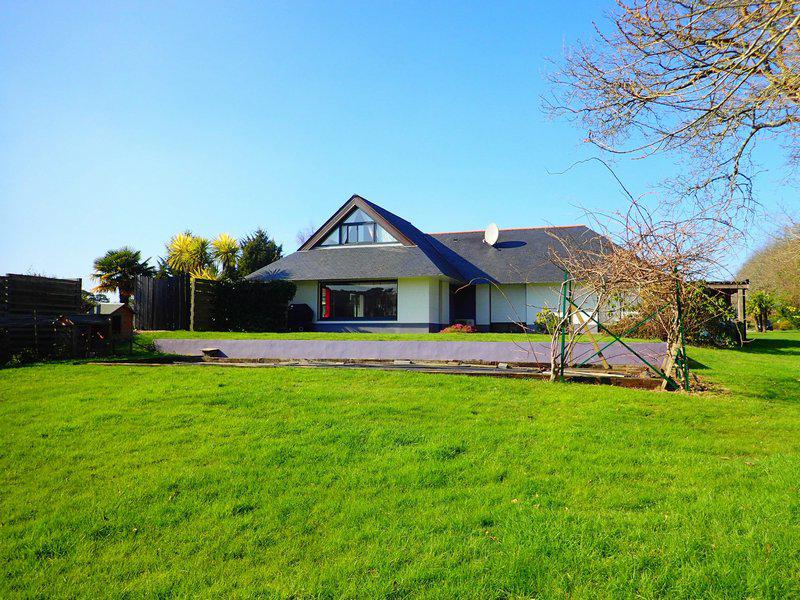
{"x":491,"y":234}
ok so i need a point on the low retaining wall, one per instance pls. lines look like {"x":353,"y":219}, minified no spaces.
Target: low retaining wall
{"x":478,"y":352}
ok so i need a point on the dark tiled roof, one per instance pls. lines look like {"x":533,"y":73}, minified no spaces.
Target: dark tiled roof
{"x":422,"y":240}
{"x":520,"y":256}
{"x":371,"y":262}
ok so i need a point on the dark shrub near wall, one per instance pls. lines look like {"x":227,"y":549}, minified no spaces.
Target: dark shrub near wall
{"x":253,"y":305}
{"x":241,"y":305}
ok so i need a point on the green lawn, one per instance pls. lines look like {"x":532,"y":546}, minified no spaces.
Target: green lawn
{"x":125,"y":481}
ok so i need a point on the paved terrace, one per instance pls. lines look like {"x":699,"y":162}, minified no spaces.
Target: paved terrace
{"x":466,"y":352}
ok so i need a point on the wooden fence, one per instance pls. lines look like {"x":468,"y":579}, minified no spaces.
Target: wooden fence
{"x":29,"y":307}
{"x":162,"y":303}
{"x":203,"y":305}
{"x":207,"y":305}
{"x":24,"y":294}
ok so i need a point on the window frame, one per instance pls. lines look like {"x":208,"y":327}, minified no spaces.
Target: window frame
{"x":324,"y":284}
{"x":341,"y":233}
{"x":356,"y":225}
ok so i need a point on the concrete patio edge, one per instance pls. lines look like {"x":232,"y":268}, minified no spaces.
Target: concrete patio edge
{"x":434,"y":351}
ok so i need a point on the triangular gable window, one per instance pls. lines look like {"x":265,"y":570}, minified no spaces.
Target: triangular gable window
{"x":358,"y":228}
{"x":332,"y":239}
{"x":358,"y":216}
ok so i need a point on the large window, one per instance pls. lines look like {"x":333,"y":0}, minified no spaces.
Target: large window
{"x":369,"y":300}
{"x":358,"y":228}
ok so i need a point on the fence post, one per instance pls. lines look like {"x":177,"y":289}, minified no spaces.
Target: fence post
{"x":191,"y":304}
{"x":563,"y":325}
{"x":684,"y":360}
{"x":186,"y":302}
{"x":35,"y":333}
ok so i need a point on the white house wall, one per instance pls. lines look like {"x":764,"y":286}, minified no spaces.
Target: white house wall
{"x":418,"y":300}
{"x":549,"y":295}
{"x":587,"y":303}
{"x":307,"y":293}
{"x":444,"y":303}
{"x":508,"y":303}
{"x":538,"y":296}
{"x":482,"y":304}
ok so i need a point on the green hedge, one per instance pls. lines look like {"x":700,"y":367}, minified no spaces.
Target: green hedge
{"x":251,"y":305}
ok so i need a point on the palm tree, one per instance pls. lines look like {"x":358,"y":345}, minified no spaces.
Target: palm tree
{"x":117,"y":269}
{"x":225,"y":249}
{"x":187,"y":253}
{"x":761,"y":304}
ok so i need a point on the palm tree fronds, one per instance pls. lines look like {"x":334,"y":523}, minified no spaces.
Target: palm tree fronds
{"x":208,"y":272}
{"x":117,"y":270}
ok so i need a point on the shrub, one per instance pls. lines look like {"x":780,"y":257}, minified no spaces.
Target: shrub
{"x":789,"y":315}
{"x":708,"y":320}
{"x":24,"y":357}
{"x":244,"y":305}
{"x":761,"y":305}
{"x":459,"y":328}
{"x":546,"y":321}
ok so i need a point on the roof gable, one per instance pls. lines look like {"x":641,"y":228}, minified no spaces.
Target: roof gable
{"x":356,"y":203}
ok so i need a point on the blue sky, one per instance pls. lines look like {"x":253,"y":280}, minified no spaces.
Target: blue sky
{"x":124,"y":123}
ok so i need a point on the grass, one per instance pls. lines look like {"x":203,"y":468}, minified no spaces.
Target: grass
{"x":122,"y":481}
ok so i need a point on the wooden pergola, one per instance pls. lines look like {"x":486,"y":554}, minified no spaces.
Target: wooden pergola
{"x":736,"y":294}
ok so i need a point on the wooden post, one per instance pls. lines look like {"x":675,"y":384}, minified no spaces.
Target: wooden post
{"x":564,"y":292}
{"x":35,"y":333}
{"x":668,"y":366}
{"x":192,"y":303}
{"x":583,"y":321}
{"x":682,"y":339}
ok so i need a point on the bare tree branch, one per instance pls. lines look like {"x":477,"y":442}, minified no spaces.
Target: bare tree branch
{"x":703,"y":77}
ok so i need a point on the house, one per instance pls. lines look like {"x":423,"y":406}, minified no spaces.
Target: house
{"x":367,"y":269}
{"x":120,"y":316}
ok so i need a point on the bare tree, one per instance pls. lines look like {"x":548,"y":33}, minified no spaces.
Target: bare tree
{"x":705,"y":77}
{"x":648,"y":263}
{"x":576,"y":319}
{"x":304,"y":233}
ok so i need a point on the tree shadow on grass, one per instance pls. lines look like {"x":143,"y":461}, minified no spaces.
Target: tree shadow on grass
{"x":780,"y":346}
{"x":772,"y":346}
{"x":696,"y":365}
